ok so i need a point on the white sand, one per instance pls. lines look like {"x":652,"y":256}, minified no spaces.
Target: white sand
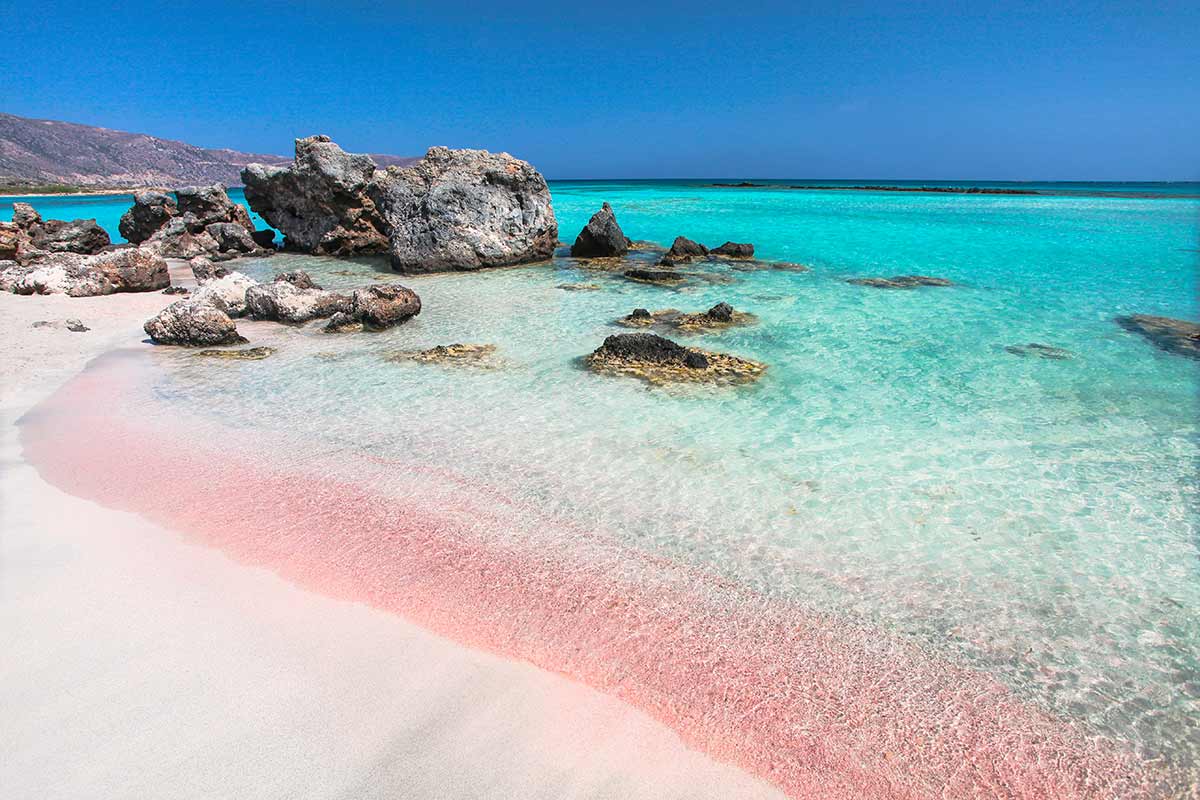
{"x":137,"y":665}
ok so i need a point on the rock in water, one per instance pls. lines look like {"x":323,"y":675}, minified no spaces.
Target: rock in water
{"x":734,"y":250}
{"x":298,"y":278}
{"x":82,"y":236}
{"x":683,"y":250}
{"x":657,"y":276}
{"x":602,"y":237}
{"x":901,"y":282}
{"x":1176,"y":336}
{"x":192,"y":323}
{"x":650,"y":348}
{"x":320,"y":203}
{"x":132,"y":269}
{"x":284,"y":302}
{"x":384,"y":305}
{"x":465,"y":210}
{"x":149,"y":212}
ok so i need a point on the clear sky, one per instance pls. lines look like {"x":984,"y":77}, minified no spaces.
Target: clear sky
{"x":1046,"y":90}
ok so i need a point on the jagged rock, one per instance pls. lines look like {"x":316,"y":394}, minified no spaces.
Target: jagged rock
{"x":734,"y":250}
{"x":149,"y":213}
{"x":341,"y":322}
{"x":11,"y":273}
{"x":722,"y":315}
{"x":82,"y":236}
{"x":383,"y":305}
{"x":901,"y":282}
{"x":192,"y":323}
{"x":1040,"y":351}
{"x":641,"y":314}
{"x":683,"y":250}
{"x":12,"y":241}
{"x":202,"y":206}
{"x":227,"y":292}
{"x":132,"y":269}
{"x":298,"y":278}
{"x":473,"y":354}
{"x":284,"y":302}
{"x":231,"y":237}
{"x":25,"y":216}
{"x":657,"y":276}
{"x":320,"y":203}
{"x":203,"y":269}
{"x":602,"y":237}
{"x":465,"y":210}
{"x":63,"y":273}
{"x":1176,"y":336}
{"x":658,"y":360}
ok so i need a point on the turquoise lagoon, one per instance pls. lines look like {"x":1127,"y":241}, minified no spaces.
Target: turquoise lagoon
{"x":1033,"y":518}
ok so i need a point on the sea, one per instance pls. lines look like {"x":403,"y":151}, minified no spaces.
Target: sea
{"x":946,"y":509}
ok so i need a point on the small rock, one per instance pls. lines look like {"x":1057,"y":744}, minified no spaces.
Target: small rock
{"x":227,"y":292}
{"x":657,"y":276}
{"x":192,"y":323}
{"x":1176,"y":336}
{"x":176,"y":290}
{"x":659,"y":360}
{"x":734,"y":250}
{"x":601,"y":237}
{"x":579,"y":287}
{"x":1040,"y":351}
{"x":901,"y":282}
{"x":73,"y":325}
{"x":721,"y":312}
{"x":341,"y":322}
{"x":203,"y":269}
{"x":461,"y":353}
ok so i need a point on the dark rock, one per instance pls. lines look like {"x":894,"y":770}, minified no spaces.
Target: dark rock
{"x":602,"y":237}
{"x":264,"y":238}
{"x":176,"y":290}
{"x":231,"y":237}
{"x":658,"y":276}
{"x":192,"y":323}
{"x":132,"y":269}
{"x":465,"y":210}
{"x":1176,"y":336}
{"x":73,"y":325}
{"x":149,"y":212}
{"x":82,"y":236}
{"x":384,"y":305}
{"x":245,"y":354}
{"x":1040,"y":351}
{"x":734,"y":250}
{"x":298,"y":278}
{"x":640,"y":313}
{"x":685,"y":249}
{"x":284,"y":302}
{"x":202,"y":206}
{"x":320,"y":203}
{"x":650,"y":348}
{"x":721,"y":312}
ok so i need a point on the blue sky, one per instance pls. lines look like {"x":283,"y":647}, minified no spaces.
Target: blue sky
{"x":1102,"y":91}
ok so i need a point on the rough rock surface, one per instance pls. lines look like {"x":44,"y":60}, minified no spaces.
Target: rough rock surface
{"x":341,"y":322}
{"x":150,"y":211}
{"x":298,"y":278}
{"x":650,"y":348}
{"x":25,"y":216}
{"x":284,"y":302}
{"x":11,"y":273}
{"x":81,"y":236}
{"x":198,"y":221}
{"x":231,"y":237}
{"x":228,"y":292}
{"x":192,"y":323}
{"x":734,"y":250}
{"x":466,"y":354}
{"x":132,"y":269}
{"x":659,"y":276}
{"x":320,"y":203}
{"x":1176,"y":336}
{"x":683,"y":250}
{"x":602,"y":237}
{"x":465,"y":210}
{"x":12,"y":241}
{"x":383,"y":305}
{"x":658,"y":360}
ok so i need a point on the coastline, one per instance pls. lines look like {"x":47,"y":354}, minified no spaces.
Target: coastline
{"x":311,"y":696}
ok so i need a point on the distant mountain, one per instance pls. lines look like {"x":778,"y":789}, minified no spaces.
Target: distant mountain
{"x":42,"y":151}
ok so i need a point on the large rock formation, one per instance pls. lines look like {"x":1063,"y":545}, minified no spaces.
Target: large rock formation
{"x":126,"y":269}
{"x":283,"y":301}
{"x":383,"y":305}
{"x":451,"y":210}
{"x":601,"y":237}
{"x":28,"y":232}
{"x":192,"y":323}
{"x":320,"y":203}
{"x":198,"y":221}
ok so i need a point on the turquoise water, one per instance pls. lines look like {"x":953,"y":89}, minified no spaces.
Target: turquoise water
{"x":1033,"y":518}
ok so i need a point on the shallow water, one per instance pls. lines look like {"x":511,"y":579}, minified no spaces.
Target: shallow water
{"x":1029,"y":518}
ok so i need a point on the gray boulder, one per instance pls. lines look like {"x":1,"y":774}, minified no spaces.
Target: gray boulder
{"x":25,"y":216}
{"x":192,"y":323}
{"x":203,"y":269}
{"x":320,"y":203}
{"x":284,"y":302}
{"x":82,"y":236}
{"x":227,"y":292}
{"x":198,"y":221}
{"x":150,"y":212}
{"x":298,"y":278}
{"x":201,"y":206}
{"x":383,"y":305}
{"x":601,"y":237}
{"x":734,"y":250}
{"x":231,"y":237}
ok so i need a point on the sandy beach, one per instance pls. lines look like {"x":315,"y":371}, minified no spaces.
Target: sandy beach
{"x":143,"y":665}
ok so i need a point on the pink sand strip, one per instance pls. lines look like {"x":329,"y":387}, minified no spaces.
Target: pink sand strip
{"x":819,"y":706}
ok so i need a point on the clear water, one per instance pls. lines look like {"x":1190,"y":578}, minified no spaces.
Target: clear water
{"x":1034,"y":518}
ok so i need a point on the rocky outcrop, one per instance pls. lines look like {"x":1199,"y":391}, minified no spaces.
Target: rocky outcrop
{"x":655,"y":276}
{"x":63,"y":273}
{"x":720,"y":316}
{"x":11,"y":272}
{"x":227,"y":292}
{"x":132,"y":269}
{"x":320,"y":203}
{"x":734,"y":250}
{"x":204,"y":269}
{"x":198,"y":221}
{"x":683,"y":251}
{"x":465,"y":210}
{"x":284,"y":302}
{"x":658,"y":360}
{"x":602,"y":237}
{"x":28,"y":232}
{"x":466,"y":354}
{"x":901,"y":282}
{"x":192,"y":323}
{"x":298,"y":278}
{"x":12,"y":241}
{"x":383,"y":305}
{"x":451,"y":210}
{"x":1176,"y":336}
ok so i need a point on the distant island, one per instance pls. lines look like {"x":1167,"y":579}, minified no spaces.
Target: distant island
{"x":39,"y":156}
{"x":873,"y":188}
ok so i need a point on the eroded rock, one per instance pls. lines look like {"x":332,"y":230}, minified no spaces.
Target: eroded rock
{"x":602,"y":237}
{"x":656,"y":276}
{"x":734,"y":250}
{"x":659,"y":360}
{"x":284,"y":302}
{"x":244,"y":354}
{"x":383,"y":305}
{"x":132,"y":269}
{"x":192,"y":323}
{"x":227,"y":292}
{"x":475,"y":354}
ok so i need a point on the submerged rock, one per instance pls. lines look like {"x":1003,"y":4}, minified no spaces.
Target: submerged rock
{"x":246,"y":354}
{"x":901,"y":282}
{"x":602,"y":237}
{"x":1176,"y":336}
{"x":285,"y":302}
{"x":656,"y":276}
{"x":1039,"y":350}
{"x":198,"y":221}
{"x":455,"y":353}
{"x":580,"y":287}
{"x":383,"y":305}
{"x":659,"y":360}
{"x":451,"y":210}
{"x":734,"y":250}
{"x":149,"y":212}
{"x":192,"y":323}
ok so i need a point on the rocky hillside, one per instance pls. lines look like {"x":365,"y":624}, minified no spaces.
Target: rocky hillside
{"x":39,"y":151}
